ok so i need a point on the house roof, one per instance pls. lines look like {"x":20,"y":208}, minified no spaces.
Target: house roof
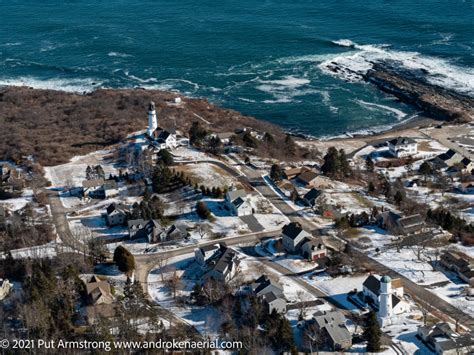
{"x":401,"y":141}
{"x":117,"y":207}
{"x":270,"y":297}
{"x":373,"y":284}
{"x":263,"y":282}
{"x":110,"y":184}
{"x":447,"y":155}
{"x":314,"y":243}
{"x":239,"y":201}
{"x":388,"y":218}
{"x":332,"y":317}
{"x":339,"y":334}
{"x":211,"y":247}
{"x":411,"y":221}
{"x":292,"y":230}
{"x":134,"y":223}
{"x":312,"y":194}
{"x":395,"y":300}
{"x":307,"y":176}
{"x":223,"y":260}
{"x":101,"y":310}
{"x":97,"y":288}
{"x":92,"y":183}
{"x":234,"y":194}
{"x":334,"y":324}
{"x":164,"y":135}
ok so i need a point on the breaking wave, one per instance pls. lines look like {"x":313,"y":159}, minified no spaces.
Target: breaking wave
{"x":69,"y":85}
{"x":353,"y":65}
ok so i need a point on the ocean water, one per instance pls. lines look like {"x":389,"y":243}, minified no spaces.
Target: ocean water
{"x":264,"y":58}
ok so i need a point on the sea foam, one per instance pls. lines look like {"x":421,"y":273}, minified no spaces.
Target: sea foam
{"x":438,"y":71}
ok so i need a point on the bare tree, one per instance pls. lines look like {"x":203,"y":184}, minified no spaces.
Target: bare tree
{"x":162,"y":262}
{"x":174,"y":281}
{"x":203,"y":229}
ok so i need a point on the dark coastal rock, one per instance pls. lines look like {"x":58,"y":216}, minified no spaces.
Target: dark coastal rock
{"x":411,"y":88}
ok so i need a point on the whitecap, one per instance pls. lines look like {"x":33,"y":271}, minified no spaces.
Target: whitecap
{"x":118,"y":54}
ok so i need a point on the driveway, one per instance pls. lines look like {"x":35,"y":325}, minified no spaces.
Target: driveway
{"x":253,"y":224}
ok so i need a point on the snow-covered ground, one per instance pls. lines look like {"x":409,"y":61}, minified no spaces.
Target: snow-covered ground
{"x":48,"y":250}
{"x":208,"y":174}
{"x":294,"y":263}
{"x":416,"y":263}
{"x":338,"y":288}
{"x":15,"y":204}
{"x":73,"y":173}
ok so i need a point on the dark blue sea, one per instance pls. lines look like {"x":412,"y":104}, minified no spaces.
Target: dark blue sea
{"x":264,"y":58}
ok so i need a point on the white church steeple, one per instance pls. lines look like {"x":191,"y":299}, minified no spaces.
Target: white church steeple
{"x":152,"y":122}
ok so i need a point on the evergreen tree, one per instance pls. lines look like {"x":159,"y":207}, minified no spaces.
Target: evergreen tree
{"x":165,"y":157}
{"x":371,"y":187}
{"x":426,"y":169}
{"x":369,"y":164}
{"x":372,"y":333}
{"x":276,"y":172}
{"x":197,"y":134}
{"x":331,"y":165}
{"x":398,"y":197}
{"x":202,"y":210}
{"x":249,"y":140}
{"x":268,"y":138}
{"x":124,"y":260}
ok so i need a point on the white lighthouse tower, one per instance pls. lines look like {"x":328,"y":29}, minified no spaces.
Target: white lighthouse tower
{"x":152,"y":122}
{"x":385,"y":303}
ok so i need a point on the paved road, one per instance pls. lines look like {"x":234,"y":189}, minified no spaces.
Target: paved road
{"x":58,"y":212}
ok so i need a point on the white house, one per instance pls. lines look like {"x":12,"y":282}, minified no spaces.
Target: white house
{"x":222,"y":265}
{"x":293,"y":236}
{"x":5,"y":287}
{"x":237,"y":203}
{"x":401,"y":147}
{"x":313,"y":249}
{"x":387,"y":299}
{"x":116,"y":214}
{"x":203,"y":254}
{"x":164,"y":139}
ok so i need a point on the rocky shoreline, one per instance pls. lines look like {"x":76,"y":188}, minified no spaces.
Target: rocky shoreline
{"x":434,"y":101}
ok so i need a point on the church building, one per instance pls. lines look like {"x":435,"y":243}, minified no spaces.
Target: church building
{"x":385,"y":295}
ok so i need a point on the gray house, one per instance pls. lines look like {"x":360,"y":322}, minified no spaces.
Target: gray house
{"x":293,"y":236}
{"x":154,"y":232}
{"x":333,"y":326}
{"x":117,"y":214}
{"x":444,"y":341}
{"x":270,"y":293}
{"x":222,"y":265}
